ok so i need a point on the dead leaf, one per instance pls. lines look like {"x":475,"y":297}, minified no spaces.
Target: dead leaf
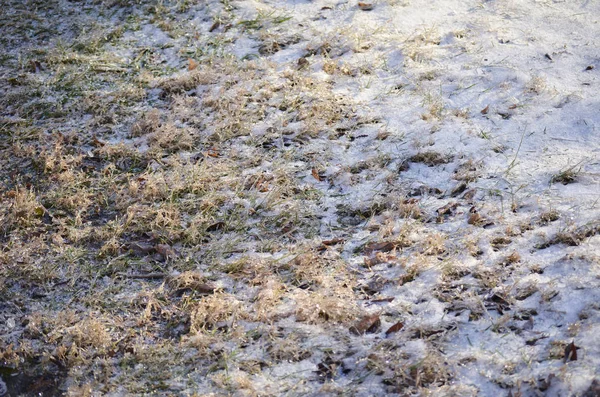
{"x":368,"y":324}
{"x":383,"y":247}
{"x":395,"y":328}
{"x":141,"y":247}
{"x":365,"y":6}
{"x":594,"y":389}
{"x":544,"y":384}
{"x":328,"y":368}
{"x":315,"y":174}
{"x":333,"y":241}
{"x":485,"y":110}
{"x":214,"y":26}
{"x":212,"y":153}
{"x":203,"y":288}
{"x":302,"y":62}
{"x":571,"y":352}
{"x":448,"y":209}
{"x":97,"y":142}
{"x":216,"y":226}
{"x":458,"y":189}
{"x":469,"y":194}
{"x":192,"y":64}
{"x":166,"y":251}
{"x":382,"y":300}
{"x":35,"y":66}
{"x":475,"y":219}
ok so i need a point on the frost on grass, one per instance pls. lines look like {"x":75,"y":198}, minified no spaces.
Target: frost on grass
{"x":250,"y":198}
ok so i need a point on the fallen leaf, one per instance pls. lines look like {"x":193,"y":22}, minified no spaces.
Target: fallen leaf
{"x":544,"y":384}
{"x":97,"y":142}
{"x":333,"y":241}
{"x":302,"y":62}
{"x":485,"y":110}
{"x":35,"y":66}
{"x":165,"y":251}
{"x":448,"y":209}
{"x":594,"y":389}
{"x":365,"y":6}
{"x":458,"y":189}
{"x":212,"y":153}
{"x":315,"y":174}
{"x":571,"y":352}
{"x":383,"y":247}
{"x":469,"y":194}
{"x":203,"y":288}
{"x":141,"y":248}
{"x":214,"y":26}
{"x":382,"y":300}
{"x":192,"y":64}
{"x":216,"y":226}
{"x":328,"y":368}
{"x":395,"y":328}
{"x":368,"y":324}
{"x":475,"y":219}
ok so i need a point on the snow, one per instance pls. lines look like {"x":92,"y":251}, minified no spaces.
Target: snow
{"x":542,"y":109}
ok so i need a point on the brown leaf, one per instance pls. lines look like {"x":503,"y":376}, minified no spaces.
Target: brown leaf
{"x":458,"y":189}
{"x":383,"y":247}
{"x":571,"y":352}
{"x":97,"y":142}
{"x":448,"y":209}
{"x":203,"y":288}
{"x":302,"y":62}
{"x":333,"y":241}
{"x":141,"y":247}
{"x":395,"y":328}
{"x":166,"y":251}
{"x":214,"y":26}
{"x":485,"y":110}
{"x":35,"y":66}
{"x":594,"y":389}
{"x":382,"y":300}
{"x":212,"y":153}
{"x":470,"y":194}
{"x":368,"y":324}
{"x":216,"y":226}
{"x":315,"y":174}
{"x":192,"y":64}
{"x":475,"y":219}
{"x":365,"y":6}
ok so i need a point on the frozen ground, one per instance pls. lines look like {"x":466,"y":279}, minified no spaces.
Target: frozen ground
{"x":300,"y":198}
